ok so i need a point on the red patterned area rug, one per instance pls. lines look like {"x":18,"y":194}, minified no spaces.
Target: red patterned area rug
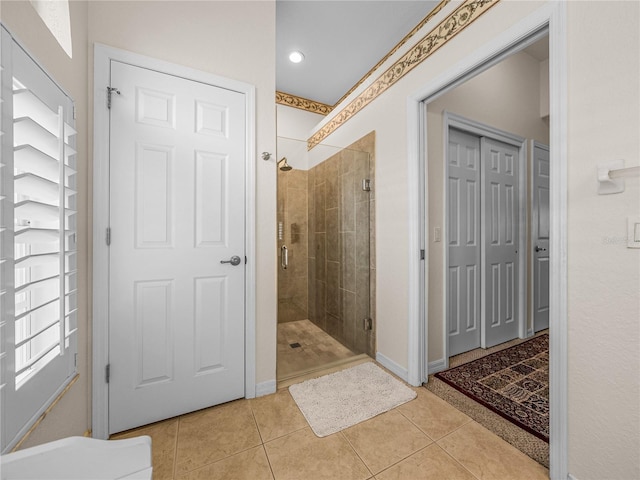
{"x":513,"y":382}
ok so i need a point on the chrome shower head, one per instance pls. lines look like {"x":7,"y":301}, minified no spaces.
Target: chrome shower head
{"x":283,"y":165}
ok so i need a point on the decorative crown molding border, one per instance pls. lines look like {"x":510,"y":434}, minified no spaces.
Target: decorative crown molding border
{"x":302,"y":103}
{"x":406,"y":38}
{"x":448,"y":28}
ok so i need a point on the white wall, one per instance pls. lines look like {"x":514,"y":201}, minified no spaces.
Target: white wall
{"x":293,"y":128}
{"x":604,"y":276}
{"x":295,"y":123}
{"x":71,"y":415}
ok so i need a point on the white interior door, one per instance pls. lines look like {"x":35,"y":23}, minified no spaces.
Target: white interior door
{"x":177,"y":190}
{"x":540,"y":234}
{"x":500,"y":230}
{"x":463,"y":237}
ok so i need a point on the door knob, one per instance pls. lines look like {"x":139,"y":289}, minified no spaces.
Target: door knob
{"x":540,"y":249}
{"x":235,"y":260}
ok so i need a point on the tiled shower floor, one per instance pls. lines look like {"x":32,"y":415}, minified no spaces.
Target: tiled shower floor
{"x":317,"y":349}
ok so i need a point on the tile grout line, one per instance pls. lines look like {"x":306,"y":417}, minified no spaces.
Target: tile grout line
{"x":402,"y":460}
{"x":415,"y":425}
{"x":455,"y":430}
{"x":222,"y":459}
{"x":419,"y":429}
{"x":451,"y":455}
{"x":255,"y":421}
{"x":357,"y":454}
{"x":175,"y":450}
{"x":433,"y":442}
{"x":227,"y":456}
{"x":264,"y":449}
{"x":286,"y":434}
{"x":262,"y":442}
{"x":457,"y":461}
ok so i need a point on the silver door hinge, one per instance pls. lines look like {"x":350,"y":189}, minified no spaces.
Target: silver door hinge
{"x":367,"y":324}
{"x":110,"y":91}
{"x":421,"y":254}
{"x":107,"y":373}
{"x":75,"y":360}
{"x":74,"y":112}
{"x":108,"y":236}
{"x":366,"y":185}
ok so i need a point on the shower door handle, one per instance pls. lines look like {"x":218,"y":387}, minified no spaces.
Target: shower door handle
{"x":284,"y":257}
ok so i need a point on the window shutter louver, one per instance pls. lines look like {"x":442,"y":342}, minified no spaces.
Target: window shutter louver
{"x":39,"y":241}
{"x":6,"y":270}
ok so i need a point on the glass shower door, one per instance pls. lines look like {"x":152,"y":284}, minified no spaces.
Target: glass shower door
{"x":324,"y":233}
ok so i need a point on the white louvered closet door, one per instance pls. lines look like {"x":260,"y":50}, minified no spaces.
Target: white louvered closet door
{"x":39,"y":278}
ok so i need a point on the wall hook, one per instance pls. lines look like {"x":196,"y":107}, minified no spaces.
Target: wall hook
{"x":606,"y":184}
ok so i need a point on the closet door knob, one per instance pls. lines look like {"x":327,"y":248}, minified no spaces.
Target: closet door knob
{"x":235,"y":260}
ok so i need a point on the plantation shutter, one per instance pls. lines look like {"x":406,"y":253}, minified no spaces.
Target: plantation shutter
{"x":39,"y":242}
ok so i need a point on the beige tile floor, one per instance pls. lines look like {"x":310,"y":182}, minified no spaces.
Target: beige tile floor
{"x":268,"y":438}
{"x":317,"y":349}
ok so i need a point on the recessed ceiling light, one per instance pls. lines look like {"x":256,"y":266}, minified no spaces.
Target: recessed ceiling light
{"x":296,"y":57}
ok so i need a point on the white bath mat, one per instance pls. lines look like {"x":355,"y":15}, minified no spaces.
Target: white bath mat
{"x":342,"y":399}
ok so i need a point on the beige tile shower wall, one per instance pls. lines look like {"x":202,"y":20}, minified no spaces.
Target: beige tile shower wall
{"x":293,"y":213}
{"x":340,"y":265}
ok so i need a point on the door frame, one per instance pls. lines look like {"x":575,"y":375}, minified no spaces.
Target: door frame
{"x":549,"y":19}
{"x":103,"y":55}
{"x":473,"y":127}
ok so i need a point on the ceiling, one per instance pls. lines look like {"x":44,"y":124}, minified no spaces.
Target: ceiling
{"x":341,"y":40}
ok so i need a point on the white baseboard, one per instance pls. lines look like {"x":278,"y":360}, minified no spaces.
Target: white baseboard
{"x":392,"y":366}
{"x":265,"y":388}
{"x":436,"y":366}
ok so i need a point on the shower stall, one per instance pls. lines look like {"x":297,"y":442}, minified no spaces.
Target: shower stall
{"x":326,"y":268}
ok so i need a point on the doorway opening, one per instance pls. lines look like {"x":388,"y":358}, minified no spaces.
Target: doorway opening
{"x":510,"y":93}
{"x":511,"y":96}
{"x":326,"y":265}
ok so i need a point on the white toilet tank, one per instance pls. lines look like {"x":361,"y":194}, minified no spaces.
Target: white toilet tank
{"x":81,"y":458}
